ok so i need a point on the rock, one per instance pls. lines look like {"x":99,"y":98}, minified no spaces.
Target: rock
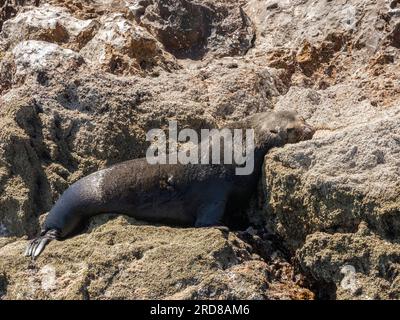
{"x":47,"y":23}
{"x":338,"y":60}
{"x":336,"y":182}
{"x":9,"y":8}
{"x":327,"y":109}
{"x":191,"y":29}
{"x":39,"y":57}
{"x":123,"y":260}
{"x":394,"y":36}
{"x":182,"y":26}
{"x":113,"y":43}
{"x":120,"y":46}
{"x":33,"y":61}
{"x":327,"y":43}
{"x":24,"y":186}
{"x":352,"y":265}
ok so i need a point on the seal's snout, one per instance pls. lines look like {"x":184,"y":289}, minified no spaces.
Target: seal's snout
{"x":299,"y":131}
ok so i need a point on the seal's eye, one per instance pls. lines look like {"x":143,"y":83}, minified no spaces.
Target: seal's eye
{"x":290,"y":129}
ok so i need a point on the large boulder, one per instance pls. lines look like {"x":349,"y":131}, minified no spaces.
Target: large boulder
{"x":340,"y":65}
{"x":357,"y":265}
{"x":335,"y":182}
{"x":9,"y":8}
{"x":47,"y":23}
{"x":191,"y":29}
{"x":120,"y":46}
{"x":82,"y":82}
{"x":123,"y":260}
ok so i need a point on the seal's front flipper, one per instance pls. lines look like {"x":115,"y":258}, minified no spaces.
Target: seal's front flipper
{"x":210,"y":214}
{"x":36,"y":246}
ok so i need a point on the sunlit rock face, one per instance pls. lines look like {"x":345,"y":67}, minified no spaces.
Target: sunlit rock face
{"x":47,"y":23}
{"x":124,"y":47}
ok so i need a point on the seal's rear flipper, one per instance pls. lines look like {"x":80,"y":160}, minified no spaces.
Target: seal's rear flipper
{"x":36,"y":246}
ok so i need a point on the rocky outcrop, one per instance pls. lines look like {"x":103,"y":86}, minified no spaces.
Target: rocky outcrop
{"x":341,"y":64}
{"x":326,"y":43}
{"x":9,"y":8}
{"x":81,"y":82}
{"x":47,"y":23}
{"x":358,"y":265}
{"x":123,"y":260}
{"x":120,"y":47}
{"x":336,"y":182}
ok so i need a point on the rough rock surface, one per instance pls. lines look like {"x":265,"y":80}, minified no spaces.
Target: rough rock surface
{"x":342,"y":60}
{"x":360,"y":265}
{"x":123,"y":260}
{"x":47,"y":23}
{"x":337,"y":181}
{"x":9,"y":8}
{"x":81,"y":82}
{"x":191,"y":29}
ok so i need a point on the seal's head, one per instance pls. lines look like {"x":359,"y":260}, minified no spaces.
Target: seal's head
{"x":295,"y":128}
{"x":288,"y":126}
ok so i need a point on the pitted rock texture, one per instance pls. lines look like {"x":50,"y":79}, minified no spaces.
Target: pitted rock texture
{"x":191,"y":29}
{"x":121,"y":47}
{"x":341,"y":67}
{"x":9,"y":8}
{"x":360,"y":265}
{"x":123,"y":260}
{"x":47,"y":23}
{"x":337,"y":181}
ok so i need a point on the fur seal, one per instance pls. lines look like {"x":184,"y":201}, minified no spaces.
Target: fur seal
{"x":186,"y":195}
